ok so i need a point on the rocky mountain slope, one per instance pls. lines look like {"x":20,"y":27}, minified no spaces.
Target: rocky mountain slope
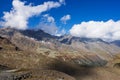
{"x":26,"y":58}
{"x":55,"y":47}
{"x":37,"y":39}
{"x":24,"y":65}
{"x":17,"y":64}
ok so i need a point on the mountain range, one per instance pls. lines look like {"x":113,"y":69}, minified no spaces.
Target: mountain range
{"x":37,"y":39}
{"x":68,"y":56}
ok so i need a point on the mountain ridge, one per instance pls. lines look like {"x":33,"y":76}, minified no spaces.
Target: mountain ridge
{"x":53,"y":46}
{"x":48,"y":57}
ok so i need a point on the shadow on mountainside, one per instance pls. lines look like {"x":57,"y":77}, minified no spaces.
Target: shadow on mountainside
{"x":72,"y":69}
{"x":3,"y":67}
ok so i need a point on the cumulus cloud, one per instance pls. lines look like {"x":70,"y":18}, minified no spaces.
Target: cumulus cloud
{"x":20,"y":13}
{"x":65,"y":18}
{"x":109,"y":30}
{"x":50,"y":28}
{"x":62,"y":1}
{"x":48,"y":24}
{"x":49,"y":18}
{"x":61,"y":32}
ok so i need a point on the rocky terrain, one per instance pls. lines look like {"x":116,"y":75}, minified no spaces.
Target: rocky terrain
{"x":36,"y":55}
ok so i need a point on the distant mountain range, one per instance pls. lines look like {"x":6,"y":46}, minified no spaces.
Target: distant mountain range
{"x":35,"y":55}
{"x":63,"y":46}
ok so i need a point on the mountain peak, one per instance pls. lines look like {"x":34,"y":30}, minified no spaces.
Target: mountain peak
{"x":69,"y":42}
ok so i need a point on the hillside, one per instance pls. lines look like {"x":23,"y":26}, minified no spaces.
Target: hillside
{"x":24,"y":61}
{"x":34,"y":59}
{"x":53,"y":48}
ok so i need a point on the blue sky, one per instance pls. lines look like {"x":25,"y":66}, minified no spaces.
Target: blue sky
{"x":78,"y":10}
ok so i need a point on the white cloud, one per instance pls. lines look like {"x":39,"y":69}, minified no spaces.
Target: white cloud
{"x":49,"y":18}
{"x":50,"y":28}
{"x":65,"y":18}
{"x":109,"y":30}
{"x":62,"y":1}
{"x":20,"y":13}
{"x":48,"y":24}
{"x":61,"y":32}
